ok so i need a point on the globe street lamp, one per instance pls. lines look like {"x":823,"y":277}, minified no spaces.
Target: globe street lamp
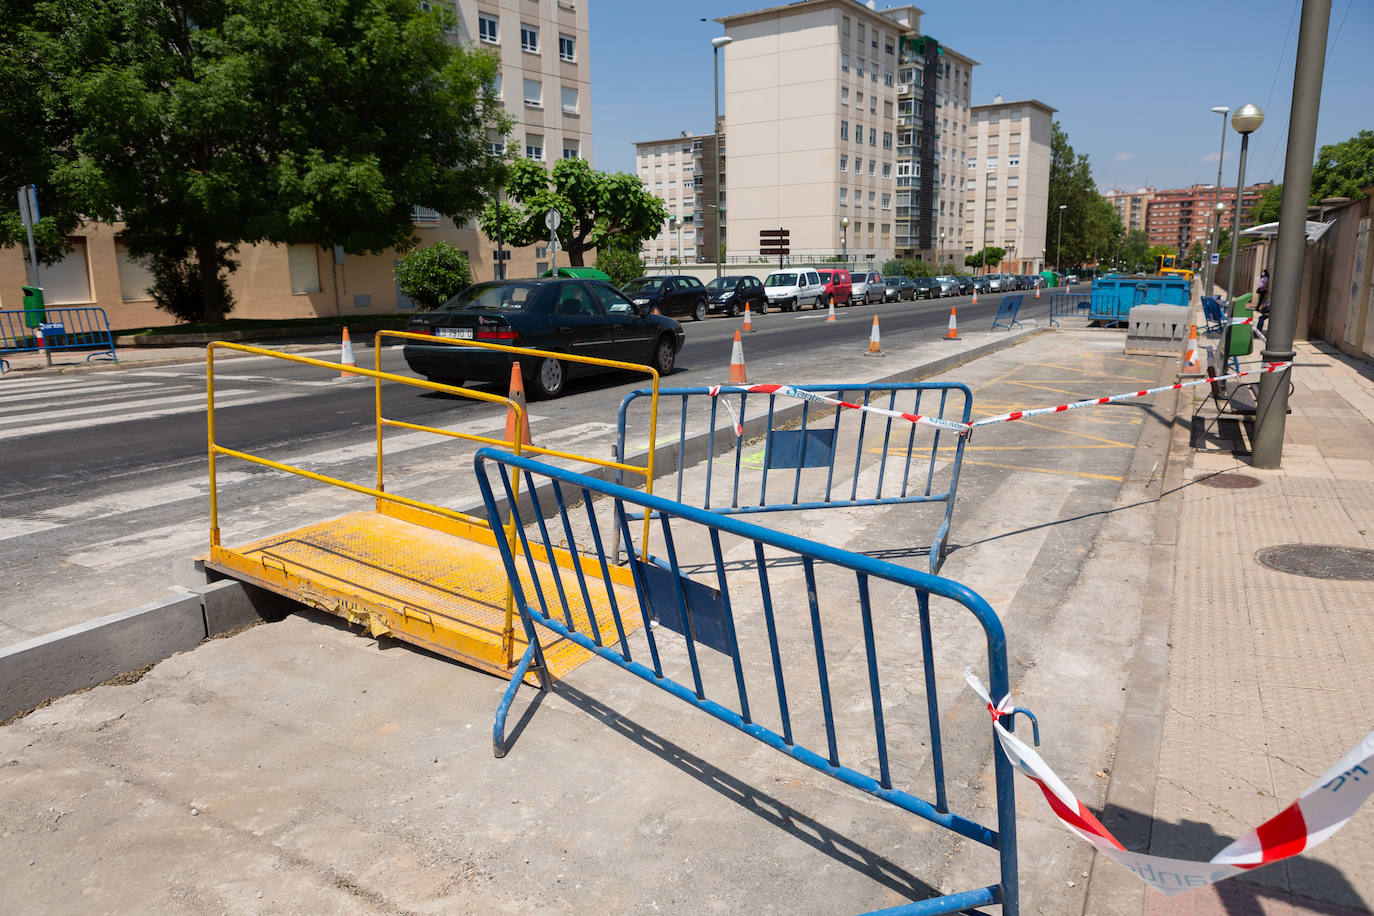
{"x":844,"y":239}
{"x":1208,"y":272}
{"x":941,"y":258}
{"x":1059,"y":245}
{"x":1245,"y":121}
{"x":716,"y":45}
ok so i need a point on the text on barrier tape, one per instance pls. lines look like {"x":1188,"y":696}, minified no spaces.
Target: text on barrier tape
{"x":1313,"y":818}
{"x":965,"y":429}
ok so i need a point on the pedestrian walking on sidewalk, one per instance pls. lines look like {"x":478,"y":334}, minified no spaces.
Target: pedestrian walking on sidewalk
{"x":1262,"y":303}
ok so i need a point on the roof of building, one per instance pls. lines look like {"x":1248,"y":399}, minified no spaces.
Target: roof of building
{"x":1036,"y":102}
{"x":885,"y":13}
{"x":678,"y":139}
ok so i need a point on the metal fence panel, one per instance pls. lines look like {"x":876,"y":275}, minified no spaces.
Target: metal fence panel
{"x":77,"y":328}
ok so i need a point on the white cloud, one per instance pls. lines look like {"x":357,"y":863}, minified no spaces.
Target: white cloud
{"x":1212,"y":157}
{"x":1123,"y":157}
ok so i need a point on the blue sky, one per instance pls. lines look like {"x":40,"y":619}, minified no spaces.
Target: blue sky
{"x":1134,"y":82}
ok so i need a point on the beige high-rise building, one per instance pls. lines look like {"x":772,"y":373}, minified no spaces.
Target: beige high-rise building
{"x":1131,"y":207}
{"x":678,"y":172}
{"x":811,"y":102}
{"x":545,"y":83}
{"x":1007,"y":183}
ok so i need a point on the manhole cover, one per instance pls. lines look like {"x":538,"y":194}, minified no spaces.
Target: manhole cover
{"x":1229,"y":481}
{"x":1319,"y":561}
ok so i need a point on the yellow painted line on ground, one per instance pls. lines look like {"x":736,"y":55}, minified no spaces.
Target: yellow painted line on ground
{"x":1096,"y":373}
{"x":1068,"y":432}
{"x":1055,"y":471}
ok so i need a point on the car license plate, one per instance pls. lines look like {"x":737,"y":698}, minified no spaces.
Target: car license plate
{"x":462,"y":333}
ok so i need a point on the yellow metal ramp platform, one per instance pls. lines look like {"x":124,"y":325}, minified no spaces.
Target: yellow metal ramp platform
{"x":435,"y":582}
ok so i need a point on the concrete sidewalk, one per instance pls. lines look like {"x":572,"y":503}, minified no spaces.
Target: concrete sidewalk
{"x":1269,"y":674}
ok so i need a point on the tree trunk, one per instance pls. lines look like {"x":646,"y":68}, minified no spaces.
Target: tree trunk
{"x":575,"y":257}
{"x":212,"y":293}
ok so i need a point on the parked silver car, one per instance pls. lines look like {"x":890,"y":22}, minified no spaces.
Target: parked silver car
{"x":948,"y":286}
{"x":868,"y":287}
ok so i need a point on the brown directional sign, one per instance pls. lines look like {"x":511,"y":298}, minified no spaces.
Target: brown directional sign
{"x":774,"y":233}
{"x":775,"y":251}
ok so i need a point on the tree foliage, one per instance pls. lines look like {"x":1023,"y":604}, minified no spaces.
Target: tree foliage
{"x":430,"y":275}
{"x":620,"y":263}
{"x":596,"y":208}
{"x":1090,"y":226}
{"x":1342,"y":169}
{"x":989,"y":257}
{"x":206,"y":124}
{"x":1133,"y":254}
{"x":909,"y":267}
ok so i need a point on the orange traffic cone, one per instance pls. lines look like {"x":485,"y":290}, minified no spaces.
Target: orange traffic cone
{"x":831,"y":315}
{"x":953,"y":326}
{"x":975,"y":296}
{"x":875,"y":347}
{"x":346,"y":356}
{"x":748,"y":321}
{"x":1037,"y":291}
{"x":517,"y":394}
{"x":1192,"y":363}
{"x":737,"y":376}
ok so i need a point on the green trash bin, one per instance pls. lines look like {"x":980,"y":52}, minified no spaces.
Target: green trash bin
{"x":33,"y":306}
{"x":1240,"y":338}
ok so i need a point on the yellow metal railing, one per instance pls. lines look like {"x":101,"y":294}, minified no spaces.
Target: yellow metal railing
{"x":379,"y":491}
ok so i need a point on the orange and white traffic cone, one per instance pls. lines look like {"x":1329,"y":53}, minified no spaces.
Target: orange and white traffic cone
{"x":830,"y":316}
{"x":346,"y":356}
{"x":748,"y":319}
{"x":1037,"y":291}
{"x":737,"y":376}
{"x":875,"y":347}
{"x":953,"y":333}
{"x":1192,"y":362}
{"x":975,"y":297}
{"x":517,"y":394}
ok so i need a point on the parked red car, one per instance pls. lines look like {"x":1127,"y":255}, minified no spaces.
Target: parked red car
{"x":839,"y":286}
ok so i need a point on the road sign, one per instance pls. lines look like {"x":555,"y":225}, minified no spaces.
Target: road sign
{"x":774,"y":233}
{"x":1216,"y":258}
{"x":775,"y":251}
{"x":552,"y":219}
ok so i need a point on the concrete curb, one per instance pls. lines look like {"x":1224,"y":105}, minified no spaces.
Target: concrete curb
{"x":80,"y":657}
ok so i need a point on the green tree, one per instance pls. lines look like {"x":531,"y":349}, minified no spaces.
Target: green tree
{"x":1342,"y":169}
{"x":206,"y":124}
{"x":622,"y":264}
{"x":1266,"y":210}
{"x":432,"y":274}
{"x":1089,"y":223}
{"x":595,"y":207}
{"x":989,"y":257}
{"x":1135,"y":250}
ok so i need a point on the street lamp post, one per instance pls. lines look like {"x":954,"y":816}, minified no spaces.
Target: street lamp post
{"x":844,"y":239}
{"x":1059,"y":245}
{"x":1246,"y":121}
{"x":716,"y":45}
{"x":941,"y":258}
{"x":1208,"y":271}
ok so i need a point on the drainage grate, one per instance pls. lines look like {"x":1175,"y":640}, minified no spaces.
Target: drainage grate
{"x":1229,"y":481}
{"x":1319,"y":561}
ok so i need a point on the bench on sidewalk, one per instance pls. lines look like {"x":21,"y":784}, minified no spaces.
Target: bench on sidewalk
{"x":1234,"y":399}
{"x":1213,"y":314}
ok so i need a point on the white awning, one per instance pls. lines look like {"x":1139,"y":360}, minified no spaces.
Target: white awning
{"x":1315,"y":230}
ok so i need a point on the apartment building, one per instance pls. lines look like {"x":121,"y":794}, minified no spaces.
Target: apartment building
{"x":545,"y":84}
{"x":1130,"y":206}
{"x":1178,"y":217}
{"x":1007,"y":182}
{"x":836,"y":110}
{"x":684,"y":175}
{"x":933,"y":88}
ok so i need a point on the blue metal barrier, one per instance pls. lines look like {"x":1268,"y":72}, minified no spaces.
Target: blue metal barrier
{"x":1095,"y":306}
{"x":76,"y":328}
{"x":761,"y":625}
{"x":1213,"y":314}
{"x":1006,"y":313}
{"x":905,"y":467}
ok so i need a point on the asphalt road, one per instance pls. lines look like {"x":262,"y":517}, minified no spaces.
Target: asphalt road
{"x":103,"y":478}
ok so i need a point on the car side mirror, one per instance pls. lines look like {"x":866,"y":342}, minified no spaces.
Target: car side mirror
{"x":641,"y":310}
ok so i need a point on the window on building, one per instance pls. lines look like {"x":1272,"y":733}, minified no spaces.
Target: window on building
{"x":859,"y":98}
{"x":972,"y":162}
{"x":992,"y":163}
{"x":844,"y":61}
{"x":135,"y":277}
{"x":972,"y":183}
{"x":916,"y":169}
{"x":888,"y":48}
{"x":302,"y":264}
{"x":858,"y":164}
{"x":529,"y":38}
{"x":863,"y":33}
{"x":496,"y":85}
{"x":903,"y":169}
{"x":844,"y":95}
{"x":534,"y":147}
{"x":887,"y":170}
{"x":567,"y":48}
{"x":1013,"y":181}
{"x":844,"y":197}
{"x":844,"y":130}
{"x":534,"y":94}
{"x":1013,"y":161}
{"x":992,"y":181}
{"x":887,"y":108}
{"x":488,"y":28}
{"x":887,"y":139}
{"x":872,"y":166}
{"x":872,"y":198}
{"x":873,"y":136}
{"x":572,"y":149}
{"x":887,"y":201}
{"x":873,"y":104}
{"x":859,"y":68}
{"x":845,"y":26}
{"x":496,"y":143}
{"x":844,"y":163}
{"x":569,"y":94}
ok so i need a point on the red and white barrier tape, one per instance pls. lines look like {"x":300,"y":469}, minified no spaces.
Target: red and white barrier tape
{"x":1310,"y":820}
{"x":792,"y":392}
{"x":962,"y":428}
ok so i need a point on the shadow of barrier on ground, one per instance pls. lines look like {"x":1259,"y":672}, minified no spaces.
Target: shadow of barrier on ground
{"x":792,"y":655}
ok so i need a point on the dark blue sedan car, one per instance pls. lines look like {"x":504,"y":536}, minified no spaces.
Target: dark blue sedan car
{"x":575,"y":316}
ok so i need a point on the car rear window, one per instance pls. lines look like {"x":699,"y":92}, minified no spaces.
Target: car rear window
{"x":781,"y":280}
{"x":496,"y":296}
{"x":644,"y":284}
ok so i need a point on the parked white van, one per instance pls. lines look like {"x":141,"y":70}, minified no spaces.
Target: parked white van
{"x":791,"y":289}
